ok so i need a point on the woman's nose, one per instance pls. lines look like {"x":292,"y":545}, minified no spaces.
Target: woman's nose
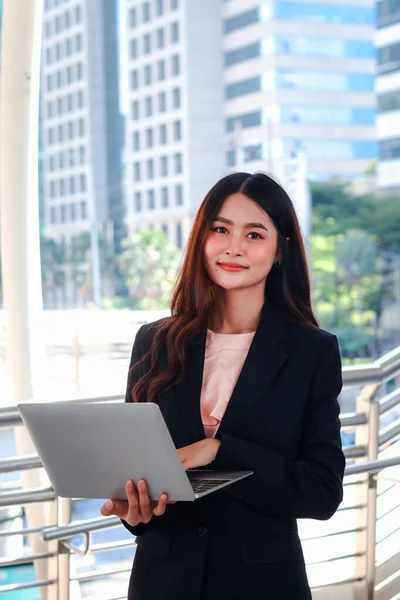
{"x":234,"y":247}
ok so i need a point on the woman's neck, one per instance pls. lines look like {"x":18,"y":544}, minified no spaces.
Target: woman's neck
{"x":236,"y":312}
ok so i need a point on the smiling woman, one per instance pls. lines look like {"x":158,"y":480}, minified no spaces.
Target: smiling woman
{"x":245,"y":380}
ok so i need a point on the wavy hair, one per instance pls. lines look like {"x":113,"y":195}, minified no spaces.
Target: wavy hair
{"x":287,"y":288}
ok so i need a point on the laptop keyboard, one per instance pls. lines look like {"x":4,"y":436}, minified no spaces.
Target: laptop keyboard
{"x":203,"y":485}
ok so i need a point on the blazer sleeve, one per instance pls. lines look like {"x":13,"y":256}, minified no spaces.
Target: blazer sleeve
{"x":134,"y":375}
{"x":311,"y":485}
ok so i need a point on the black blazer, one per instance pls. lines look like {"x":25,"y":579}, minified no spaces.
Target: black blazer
{"x":282,"y":422}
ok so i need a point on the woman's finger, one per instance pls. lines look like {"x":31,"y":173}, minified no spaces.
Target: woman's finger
{"x":134,"y":514}
{"x":160,"y":508}
{"x":146,"y":506}
{"x":119,"y":508}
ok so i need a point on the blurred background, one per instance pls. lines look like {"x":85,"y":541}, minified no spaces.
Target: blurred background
{"x":144,"y":105}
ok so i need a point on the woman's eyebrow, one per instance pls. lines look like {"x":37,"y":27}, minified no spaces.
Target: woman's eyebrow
{"x":246,"y":225}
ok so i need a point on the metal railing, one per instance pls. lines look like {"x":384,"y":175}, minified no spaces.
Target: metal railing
{"x":364,"y":472}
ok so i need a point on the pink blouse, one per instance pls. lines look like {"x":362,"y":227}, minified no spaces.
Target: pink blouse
{"x":224,"y":358}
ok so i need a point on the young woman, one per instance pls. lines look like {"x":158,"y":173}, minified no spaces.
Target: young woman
{"x":245,"y":380}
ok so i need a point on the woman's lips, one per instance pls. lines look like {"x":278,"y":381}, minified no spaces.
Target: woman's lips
{"x":231,"y":267}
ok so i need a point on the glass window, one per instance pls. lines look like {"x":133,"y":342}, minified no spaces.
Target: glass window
{"x":70,"y":130}
{"x":389,"y":58}
{"x":146,"y":43}
{"x":336,"y":149}
{"x":324,"y":80}
{"x":389,"y":149}
{"x":136,"y":141}
{"x":82,"y":155}
{"x":159,"y":8}
{"x":164,"y":197}
{"x":160,"y":38}
{"x":242,"y":20}
{"x":163,"y":166}
{"x":150,"y":168}
{"x":318,"y":12}
{"x":60,"y":133}
{"x":388,"y":12}
{"x":231,"y":158}
{"x":161,"y":70}
{"x":81,"y":124}
{"x":48,"y":56}
{"x":150,"y":200}
{"x":68,"y":51}
{"x":72,"y":185}
{"x":134,"y":80}
{"x":83,"y":210}
{"x":327,"y":115}
{"x":164,"y":228}
{"x":148,"y":106}
{"x":252,"y":119}
{"x":389,"y":101}
{"x":73,"y":211}
{"x":247,"y":86}
{"x":133,"y":49}
{"x":174,"y":4}
{"x":132,"y":18}
{"x":82,"y":182}
{"x":136,"y":171}
{"x":174,"y":33}
{"x":135,"y":110}
{"x":138,"y":201}
{"x":178,"y":162}
{"x":242,"y":54}
{"x":175,"y":65}
{"x":78,"y":14}
{"x":147,"y":75}
{"x":162,"y":102}
{"x":80,"y":98}
{"x":78,"y":42}
{"x":146,"y":12}
{"x":179,"y":194}
{"x":179,"y":237}
{"x":176,"y":98}
{"x":149,"y":138}
{"x":63,"y":214}
{"x":301,"y":45}
{"x":79,"y":70}
{"x":177,"y":127}
{"x":163,"y":134}
{"x":53,"y":216}
{"x":253,"y":152}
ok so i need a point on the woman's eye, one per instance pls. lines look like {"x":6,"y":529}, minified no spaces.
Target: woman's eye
{"x":220,"y":229}
{"x":258,"y":236}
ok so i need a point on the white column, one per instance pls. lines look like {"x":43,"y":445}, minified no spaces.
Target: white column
{"x":21,"y":47}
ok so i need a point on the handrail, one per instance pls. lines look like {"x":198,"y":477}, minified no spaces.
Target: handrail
{"x":68,"y":531}
{"x":379,"y":371}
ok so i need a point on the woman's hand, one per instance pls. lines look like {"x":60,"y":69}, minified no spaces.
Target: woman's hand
{"x":135,"y":509}
{"x":199,"y":454}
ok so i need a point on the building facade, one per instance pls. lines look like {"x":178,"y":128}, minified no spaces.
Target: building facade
{"x":388,"y":94}
{"x":299,"y":78}
{"x":82,"y":125}
{"x":174,"y":128}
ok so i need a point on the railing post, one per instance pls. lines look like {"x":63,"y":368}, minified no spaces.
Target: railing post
{"x":364,"y":435}
{"x":64,"y":558}
{"x":373,"y":448}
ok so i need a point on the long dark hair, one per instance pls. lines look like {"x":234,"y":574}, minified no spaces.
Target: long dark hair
{"x":287,"y":287}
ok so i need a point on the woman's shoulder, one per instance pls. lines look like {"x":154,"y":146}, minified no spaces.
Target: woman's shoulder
{"x":146,"y":332}
{"x":308,"y":335}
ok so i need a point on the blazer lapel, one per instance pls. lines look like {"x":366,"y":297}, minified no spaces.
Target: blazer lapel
{"x":187,"y":394}
{"x":265,"y":359}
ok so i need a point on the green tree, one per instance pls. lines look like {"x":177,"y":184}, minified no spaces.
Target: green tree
{"x":80,"y":265}
{"x":52,"y":262}
{"x":149,"y":264}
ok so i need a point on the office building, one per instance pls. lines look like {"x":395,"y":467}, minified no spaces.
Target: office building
{"x":174,"y":128}
{"x":299,"y":78}
{"x":82,"y":125}
{"x":388,"y":95}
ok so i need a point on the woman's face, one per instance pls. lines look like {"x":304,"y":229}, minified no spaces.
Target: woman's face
{"x":241,"y":246}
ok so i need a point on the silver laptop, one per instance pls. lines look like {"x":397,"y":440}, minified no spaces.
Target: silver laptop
{"x":92,"y":450}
